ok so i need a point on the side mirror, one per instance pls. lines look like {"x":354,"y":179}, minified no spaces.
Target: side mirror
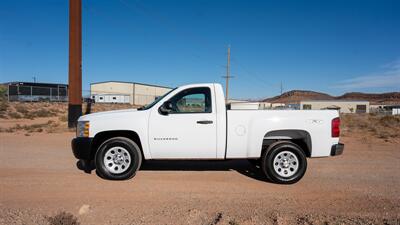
{"x":165,"y":108}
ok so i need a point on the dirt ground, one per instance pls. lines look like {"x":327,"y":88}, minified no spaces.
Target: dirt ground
{"x":39,"y":179}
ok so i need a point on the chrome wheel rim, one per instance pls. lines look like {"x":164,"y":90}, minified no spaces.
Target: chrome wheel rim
{"x":117,"y":160}
{"x":286,"y":164}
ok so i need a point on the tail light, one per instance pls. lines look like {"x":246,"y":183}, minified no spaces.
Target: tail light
{"x":336,"y":127}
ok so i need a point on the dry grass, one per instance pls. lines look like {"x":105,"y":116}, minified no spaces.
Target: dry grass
{"x":49,"y":127}
{"x":380,"y":126}
{"x":100,"y":107}
{"x":3,"y":101}
{"x":14,"y":115}
{"x":63,"y":118}
{"x":28,"y":110}
{"x":32,"y":110}
{"x":55,"y":112}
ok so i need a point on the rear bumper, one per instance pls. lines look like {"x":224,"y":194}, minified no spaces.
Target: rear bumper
{"x":337,"y":149}
{"x":81,"y":147}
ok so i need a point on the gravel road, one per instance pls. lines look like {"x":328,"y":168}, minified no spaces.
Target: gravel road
{"x":39,"y":179}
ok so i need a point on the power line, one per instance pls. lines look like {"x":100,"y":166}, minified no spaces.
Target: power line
{"x":255,"y":76}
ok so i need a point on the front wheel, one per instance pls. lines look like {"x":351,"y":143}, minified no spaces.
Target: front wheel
{"x":284,"y":163}
{"x":118,"y":159}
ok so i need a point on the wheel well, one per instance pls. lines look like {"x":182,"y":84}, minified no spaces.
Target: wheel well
{"x":300,"y":137}
{"x":99,"y":138}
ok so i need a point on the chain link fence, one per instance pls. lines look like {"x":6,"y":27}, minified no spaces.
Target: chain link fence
{"x":28,"y":93}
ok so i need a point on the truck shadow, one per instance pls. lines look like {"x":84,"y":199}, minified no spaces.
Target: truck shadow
{"x":241,"y":166}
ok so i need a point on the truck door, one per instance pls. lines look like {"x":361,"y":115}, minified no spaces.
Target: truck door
{"x":188,"y":130}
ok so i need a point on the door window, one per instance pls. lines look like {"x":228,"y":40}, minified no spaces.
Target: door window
{"x":193,"y":100}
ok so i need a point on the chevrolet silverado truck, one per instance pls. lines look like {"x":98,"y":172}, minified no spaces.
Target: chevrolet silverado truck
{"x":193,"y":122}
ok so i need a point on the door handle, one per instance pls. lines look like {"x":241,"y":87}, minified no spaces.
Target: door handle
{"x":205,"y":122}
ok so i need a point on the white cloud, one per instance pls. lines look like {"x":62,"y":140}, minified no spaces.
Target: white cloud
{"x":395,"y":65}
{"x":389,"y":77}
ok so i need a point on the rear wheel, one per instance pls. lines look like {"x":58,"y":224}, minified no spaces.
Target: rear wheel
{"x":118,"y":159}
{"x":284,"y":162}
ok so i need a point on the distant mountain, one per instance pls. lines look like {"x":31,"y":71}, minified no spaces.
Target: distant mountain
{"x":296,"y":96}
{"x":388,"y":98}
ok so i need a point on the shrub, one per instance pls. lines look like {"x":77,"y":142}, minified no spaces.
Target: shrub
{"x":383,"y":127}
{"x":233,"y":222}
{"x":15,"y":115}
{"x":390,"y":121}
{"x":63,"y":218}
{"x":3,"y":92}
{"x":63,"y":118}
{"x":3,"y":101}
{"x":21,"y":109}
{"x":42,"y":113}
{"x":2,"y":113}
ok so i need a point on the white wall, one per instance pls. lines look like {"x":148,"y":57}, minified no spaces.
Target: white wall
{"x":112,"y":88}
{"x":138,"y":94}
{"x":145,"y":94}
{"x":245,"y":105}
{"x":111,"y":98}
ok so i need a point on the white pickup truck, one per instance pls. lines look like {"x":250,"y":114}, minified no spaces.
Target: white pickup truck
{"x":193,"y":122}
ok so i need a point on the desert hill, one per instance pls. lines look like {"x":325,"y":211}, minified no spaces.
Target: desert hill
{"x":295,"y":96}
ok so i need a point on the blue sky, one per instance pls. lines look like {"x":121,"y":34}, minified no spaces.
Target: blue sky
{"x":334,"y":46}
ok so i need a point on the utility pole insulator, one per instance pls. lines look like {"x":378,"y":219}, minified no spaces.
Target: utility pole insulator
{"x":75,"y":62}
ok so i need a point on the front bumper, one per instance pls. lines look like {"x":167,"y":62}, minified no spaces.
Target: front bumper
{"x":337,"y":149}
{"x":81,"y":147}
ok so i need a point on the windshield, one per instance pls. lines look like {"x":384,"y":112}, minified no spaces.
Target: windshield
{"x":148,"y":106}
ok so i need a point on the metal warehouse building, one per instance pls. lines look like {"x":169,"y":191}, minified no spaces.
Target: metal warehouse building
{"x":126,"y":92}
{"x":342,"y":106}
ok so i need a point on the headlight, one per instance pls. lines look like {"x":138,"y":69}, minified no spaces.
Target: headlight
{"x":82,"y":129}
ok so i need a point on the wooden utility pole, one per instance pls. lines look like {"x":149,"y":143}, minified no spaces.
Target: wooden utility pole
{"x":75,"y":62}
{"x":228,"y":74}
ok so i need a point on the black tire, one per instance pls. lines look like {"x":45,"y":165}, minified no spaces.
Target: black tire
{"x":268,"y":157}
{"x":86,"y":165}
{"x":133,"y":152}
